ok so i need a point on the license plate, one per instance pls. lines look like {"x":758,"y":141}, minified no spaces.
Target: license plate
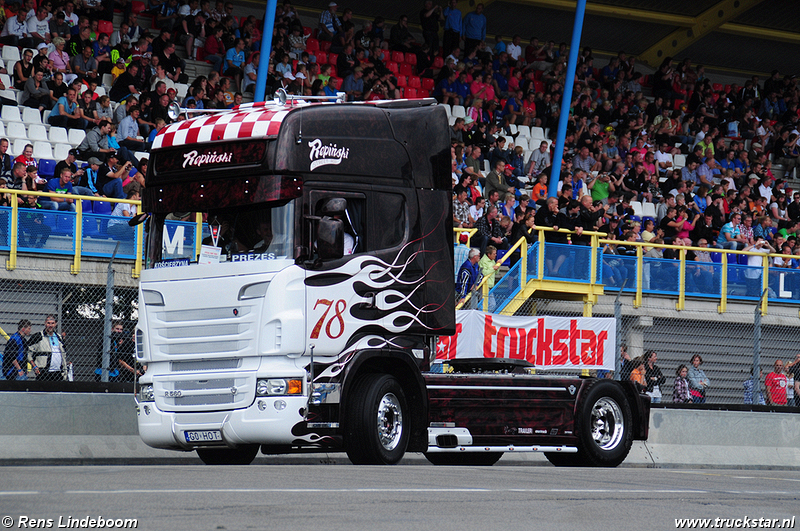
{"x":203,"y":436}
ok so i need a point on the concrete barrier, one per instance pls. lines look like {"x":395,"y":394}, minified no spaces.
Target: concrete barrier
{"x":74,"y":428}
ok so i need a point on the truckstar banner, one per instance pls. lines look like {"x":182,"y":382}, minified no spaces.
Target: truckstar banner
{"x":547,"y":342}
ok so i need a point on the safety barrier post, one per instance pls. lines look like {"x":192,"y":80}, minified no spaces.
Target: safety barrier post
{"x":198,"y":234}
{"x":723,"y":291}
{"x":540,"y":256}
{"x":11,"y":263}
{"x":681,"y":281}
{"x":637,"y":299}
{"x":523,"y":277}
{"x":78,"y":238}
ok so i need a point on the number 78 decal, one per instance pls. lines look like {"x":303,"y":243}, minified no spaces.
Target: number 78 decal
{"x":338,"y":308}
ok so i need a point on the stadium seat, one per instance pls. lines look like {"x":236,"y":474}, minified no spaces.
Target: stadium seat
{"x":333,"y":58}
{"x":183,"y":89}
{"x":61,"y":151}
{"x":312,"y":45}
{"x":649,"y":211}
{"x":108,"y":80}
{"x":402,"y":81}
{"x":422,"y":93}
{"x":19,"y":146}
{"x":76,"y":136}
{"x":322,"y":58}
{"x":525,"y":131}
{"x":58,"y":135}
{"x":45,"y":116}
{"x":15,"y":129}
{"x":37,"y":132}
{"x":102,"y":207}
{"x":537,"y":133}
{"x":638,"y":210}
{"x":414,"y":82}
{"x":31,"y":116}
{"x":411,"y":58}
{"x":100,"y":91}
{"x":679,"y":161}
{"x":11,"y":113}
{"x":138,"y":7}
{"x":428,"y":83}
{"x":410,"y":93}
{"x":459,"y":111}
{"x":11,"y":53}
{"x":105,"y":26}
{"x":42,"y":150}
{"x":406,"y":69}
{"x":438,"y":62}
{"x":392,"y":67}
{"x":47,"y":167}
{"x":2,"y":129}
{"x":521,"y":141}
{"x":6,"y":79}
{"x":398,"y":57}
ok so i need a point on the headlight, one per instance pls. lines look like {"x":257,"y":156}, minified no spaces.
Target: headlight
{"x":279,"y":386}
{"x":146,"y":393}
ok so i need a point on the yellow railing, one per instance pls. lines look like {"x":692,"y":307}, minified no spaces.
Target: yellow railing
{"x":469,"y":232}
{"x":599,"y":238}
{"x":75,"y":268}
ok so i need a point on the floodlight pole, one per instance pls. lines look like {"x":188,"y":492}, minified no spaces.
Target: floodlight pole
{"x":566,"y":99}
{"x":266,"y":45}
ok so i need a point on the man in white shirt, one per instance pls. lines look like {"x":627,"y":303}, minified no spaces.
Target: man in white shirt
{"x":39,"y":27}
{"x":514,"y":49}
{"x":16,"y":33}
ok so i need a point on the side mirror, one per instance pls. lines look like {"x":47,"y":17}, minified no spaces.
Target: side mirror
{"x":330,"y":238}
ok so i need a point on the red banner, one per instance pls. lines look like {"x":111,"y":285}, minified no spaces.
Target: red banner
{"x":545,"y":341}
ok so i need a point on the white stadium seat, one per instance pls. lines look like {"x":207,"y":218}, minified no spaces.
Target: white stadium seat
{"x":11,"y":114}
{"x":61,"y":151}
{"x":76,"y":136}
{"x":37,"y":132}
{"x":459,"y":111}
{"x":16,"y":129}
{"x":11,"y":52}
{"x":59,"y":135}
{"x":31,"y":116}
{"x":42,"y":150}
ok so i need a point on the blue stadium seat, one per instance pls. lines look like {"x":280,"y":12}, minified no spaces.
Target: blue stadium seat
{"x":47,"y":168}
{"x":101,"y":207}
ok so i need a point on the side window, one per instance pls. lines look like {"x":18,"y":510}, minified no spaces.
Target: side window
{"x":354,"y":217}
{"x":390,"y":214}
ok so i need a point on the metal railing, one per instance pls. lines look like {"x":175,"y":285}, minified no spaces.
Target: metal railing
{"x":77,"y":227}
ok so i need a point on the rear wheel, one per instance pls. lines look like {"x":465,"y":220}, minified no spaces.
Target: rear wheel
{"x":243,"y":455}
{"x":605,"y":425}
{"x":463,"y":458}
{"x":378,"y":425}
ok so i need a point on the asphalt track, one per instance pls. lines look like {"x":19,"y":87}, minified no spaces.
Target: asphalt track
{"x":406,"y":497}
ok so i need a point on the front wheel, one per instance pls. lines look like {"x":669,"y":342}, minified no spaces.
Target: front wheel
{"x":463,"y":458}
{"x":378,"y":424}
{"x":605,"y":425}
{"x":243,"y":455}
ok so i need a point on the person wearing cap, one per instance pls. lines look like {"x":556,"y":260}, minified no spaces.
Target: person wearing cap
{"x":288,"y":83}
{"x":69,"y":163}
{"x":329,"y":23}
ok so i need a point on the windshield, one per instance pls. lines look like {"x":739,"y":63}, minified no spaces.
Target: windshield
{"x":264,"y":231}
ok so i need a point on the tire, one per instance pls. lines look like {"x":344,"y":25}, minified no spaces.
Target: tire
{"x":604,"y":425}
{"x":379,"y":422}
{"x":463,"y":458}
{"x":243,"y":455}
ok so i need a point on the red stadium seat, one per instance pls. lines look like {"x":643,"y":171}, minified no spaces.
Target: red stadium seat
{"x":438,"y":62}
{"x":428,"y":83}
{"x":406,"y":69}
{"x":392,"y":66}
{"x":410,"y":92}
{"x":717,"y":87}
{"x":138,"y":7}
{"x":678,"y":104}
{"x":324,"y":45}
{"x":402,"y":81}
{"x":322,"y":57}
{"x":414,"y":82}
{"x":306,"y":31}
{"x":411,"y":58}
{"x":312,"y":45}
{"x":105,"y":26}
{"x":422,"y":93}
{"x":333,"y":58}
{"x":333,"y":70}
{"x":398,"y":57}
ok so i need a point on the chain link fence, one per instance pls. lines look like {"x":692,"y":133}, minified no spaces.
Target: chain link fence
{"x":82,"y":313}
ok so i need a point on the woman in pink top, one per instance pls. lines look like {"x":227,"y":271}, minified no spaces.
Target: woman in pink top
{"x":688,"y":226}
{"x":60,"y":60}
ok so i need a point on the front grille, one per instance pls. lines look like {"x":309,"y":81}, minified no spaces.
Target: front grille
{"x":204,"y":400}
{"x":192,"y":385}
{"x":206,"y":365}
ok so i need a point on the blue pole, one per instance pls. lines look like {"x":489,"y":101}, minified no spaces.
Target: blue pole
{"x":566,"y":99}
{"x":266,"y":45}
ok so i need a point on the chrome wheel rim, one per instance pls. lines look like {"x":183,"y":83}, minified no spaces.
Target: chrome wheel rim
{"x":608,"y":424}
{"x":390,"y":421}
